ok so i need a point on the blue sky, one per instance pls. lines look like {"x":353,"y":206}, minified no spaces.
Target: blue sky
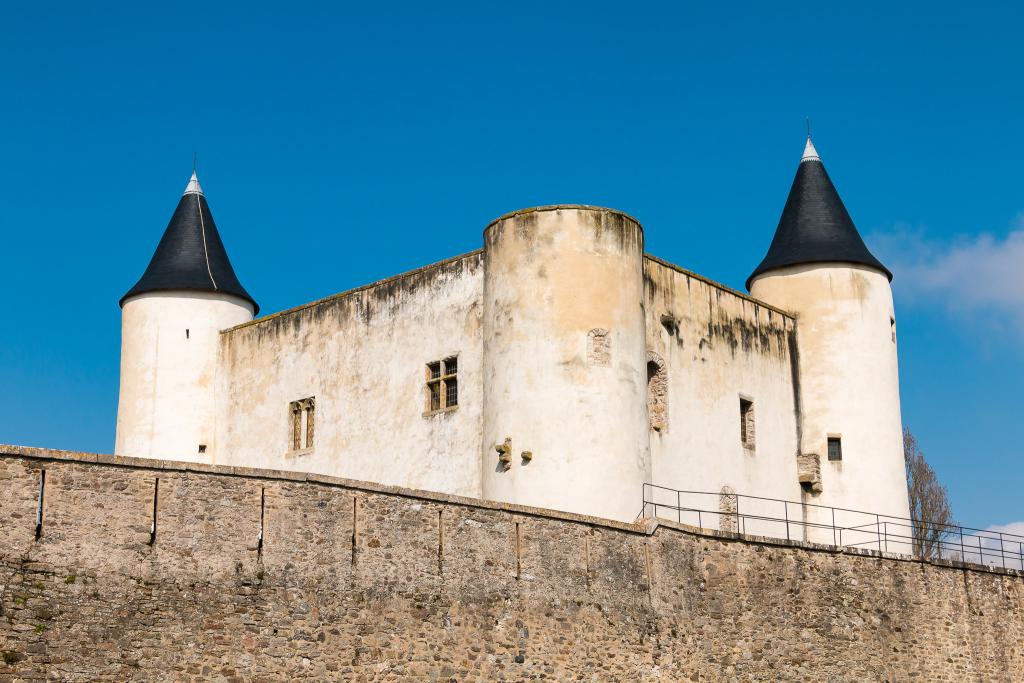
{"x":341,"y":145}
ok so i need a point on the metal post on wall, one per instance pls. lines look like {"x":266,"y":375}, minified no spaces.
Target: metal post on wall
{"x":742,"y":530}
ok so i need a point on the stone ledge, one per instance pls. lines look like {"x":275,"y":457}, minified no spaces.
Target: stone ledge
{"x":718,"y":285}
{"x":356,"y":290}
{"x":561,"y":207}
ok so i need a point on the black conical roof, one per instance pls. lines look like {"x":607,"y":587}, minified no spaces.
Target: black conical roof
{"x":191,"y":256}
{"x":815,"y":226}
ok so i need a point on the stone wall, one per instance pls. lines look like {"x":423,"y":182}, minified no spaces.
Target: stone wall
{"x":361,"y":582}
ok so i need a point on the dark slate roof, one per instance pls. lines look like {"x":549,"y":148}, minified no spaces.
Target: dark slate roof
{"x":191,"y":256}
{"x":815,"y":226}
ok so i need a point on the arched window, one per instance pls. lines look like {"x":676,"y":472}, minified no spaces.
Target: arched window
{"x":657,"y":392}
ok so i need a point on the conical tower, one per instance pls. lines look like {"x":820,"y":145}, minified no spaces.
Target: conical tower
{"x":191,"y":256}
{"x":819,"y":268}
{"x":170,"y":325}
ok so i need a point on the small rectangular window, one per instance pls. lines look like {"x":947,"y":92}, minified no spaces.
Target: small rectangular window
{"x":302,"y":422}
{"x":835,"y":448}
{"x":442,"y":384}
{"x":747,"y":423}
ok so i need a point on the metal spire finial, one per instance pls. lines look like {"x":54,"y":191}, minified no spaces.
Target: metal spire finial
{"x":810,"y":154}
{"x":193,"y":186}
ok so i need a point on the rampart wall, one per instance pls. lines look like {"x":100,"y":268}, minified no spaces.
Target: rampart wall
{"x":354,"y":581}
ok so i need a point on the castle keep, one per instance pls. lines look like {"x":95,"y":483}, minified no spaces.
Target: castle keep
{"x":560,"y":366}
{"x":436,"y":477}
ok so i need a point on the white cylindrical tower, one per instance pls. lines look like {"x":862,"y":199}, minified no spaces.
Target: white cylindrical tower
{"x":565,"y":361}
{"x":819,"y":269}
{"x":170,"y":325}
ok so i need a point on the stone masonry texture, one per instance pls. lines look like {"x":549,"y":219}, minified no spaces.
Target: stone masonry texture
{"x":359,"y":582}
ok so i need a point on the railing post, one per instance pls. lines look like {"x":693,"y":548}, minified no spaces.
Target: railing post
{"x":878,"y":532}
{"x":679,"y":509}
{"x":885,"y":532}
{"x":1002,"y":556}
{"x":741,"y":522}
{"x":785,"y":506}
{"x":963,"y":554}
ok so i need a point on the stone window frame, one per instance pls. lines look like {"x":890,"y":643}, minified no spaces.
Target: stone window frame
{"x":657,"y":411}
{"x":441,"y":386}
{"x":301,"y":425}
{"x":748,"y":424}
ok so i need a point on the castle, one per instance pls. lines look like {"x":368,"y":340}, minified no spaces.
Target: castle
{"x":435,"y":477}
{"x":559,"y":367}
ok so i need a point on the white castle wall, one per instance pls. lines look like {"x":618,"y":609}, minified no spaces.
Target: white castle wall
{"x":363,"y":356}
{"x":521,"y":316}
{"x":718,"y":346}
{"x":169,"y":347}
{"x":849,"y":381}
{"x":555,"y":278}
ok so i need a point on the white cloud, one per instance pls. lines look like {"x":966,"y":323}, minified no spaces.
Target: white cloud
{"x":1015,"y":528}
{"x":988,"y":546}
{"x":978,"y":275}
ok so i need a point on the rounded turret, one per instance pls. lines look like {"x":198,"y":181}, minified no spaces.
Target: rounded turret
{"x":564,"y":335}
{"x":170,"y":325}
{"x":819,"y":269}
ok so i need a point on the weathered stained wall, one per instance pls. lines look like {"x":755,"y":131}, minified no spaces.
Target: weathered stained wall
{"x":169,"y":349}
{"x":360,"y":582}
{"x":718,"y":346}
{"x":850,"y":385}
{"x":363,"y":356}
{"x":554,"y":275}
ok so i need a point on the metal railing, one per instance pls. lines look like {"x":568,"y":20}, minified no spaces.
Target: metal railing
{"x":839,"y":527}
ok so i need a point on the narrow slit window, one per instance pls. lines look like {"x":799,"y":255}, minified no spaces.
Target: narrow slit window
{"x":301,"y":423}
{"x":747,"y":437}
{"x":835,"y":448}
{"x":442,"y":384}
{"x":39,"y":508}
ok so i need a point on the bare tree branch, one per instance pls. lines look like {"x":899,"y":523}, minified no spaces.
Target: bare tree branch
{"x":929,"y":502}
